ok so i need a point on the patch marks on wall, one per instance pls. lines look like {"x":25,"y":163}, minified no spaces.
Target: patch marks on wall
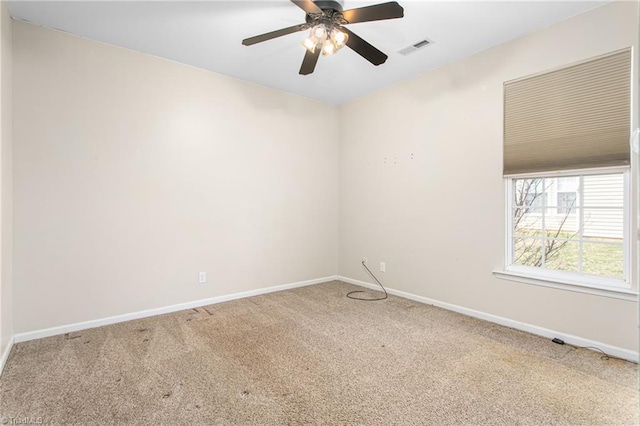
{"x":395,"y":159}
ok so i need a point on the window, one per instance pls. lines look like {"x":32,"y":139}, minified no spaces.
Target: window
{"x":570,"y":225}
{"x":566,"y":161}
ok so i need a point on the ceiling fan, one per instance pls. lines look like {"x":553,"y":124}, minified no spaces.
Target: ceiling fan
{"x":326,"y":19}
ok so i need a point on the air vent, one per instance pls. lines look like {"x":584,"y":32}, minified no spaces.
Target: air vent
{"x":415,"y":47}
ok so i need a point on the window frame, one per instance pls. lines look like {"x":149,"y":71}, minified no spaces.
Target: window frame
{"x":573,"y":279}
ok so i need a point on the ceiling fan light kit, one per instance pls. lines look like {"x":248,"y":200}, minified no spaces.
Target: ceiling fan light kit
{"x":326,"y":20}
{"x":330,"y":40}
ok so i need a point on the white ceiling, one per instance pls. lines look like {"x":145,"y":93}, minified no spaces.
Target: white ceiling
{"x":208,"y":35}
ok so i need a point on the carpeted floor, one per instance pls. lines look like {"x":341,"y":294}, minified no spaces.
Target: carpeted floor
{"x":312,"y":356}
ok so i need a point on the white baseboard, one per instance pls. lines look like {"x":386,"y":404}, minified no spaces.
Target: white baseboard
{"x":540,"y":331}
{"x":5,"y":355}
{"x":70,"y":328}
{"x":533,"y":329}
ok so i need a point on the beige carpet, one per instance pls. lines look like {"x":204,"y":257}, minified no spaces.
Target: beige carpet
{"x":312,"y":356}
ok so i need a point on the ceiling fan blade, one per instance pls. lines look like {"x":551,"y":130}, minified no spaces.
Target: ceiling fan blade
{"x":364,"y":49}
{"x":274,"y":34}
{"x":376,"y":12}
{"x":309,"y":62}
{"x":307,"y":5}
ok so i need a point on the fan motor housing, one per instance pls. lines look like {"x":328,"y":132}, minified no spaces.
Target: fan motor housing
{"x":336,"y":5}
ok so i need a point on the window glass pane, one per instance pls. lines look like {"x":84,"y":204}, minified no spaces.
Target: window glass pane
{"x":525,"y":223}
{"x":550,"y":189}
{"x":605,"y":260}
{"x":528,"y":192}
{"x":566,"y":202}
{"x":568,"y":184}
{"x":562,"y":225}
{"x":527,"y":251}
{"x":603,"y":190}
{"x":535,"y":202}
{"x":562,"y":255}
{"x":603,"y":223}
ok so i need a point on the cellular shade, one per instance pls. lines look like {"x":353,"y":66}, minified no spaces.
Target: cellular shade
{"x":572,"y":118}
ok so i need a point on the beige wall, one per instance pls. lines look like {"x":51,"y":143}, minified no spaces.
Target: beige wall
{"x":6,"y":231}
{"x":132,"y":174}
{"x":437,"y":218}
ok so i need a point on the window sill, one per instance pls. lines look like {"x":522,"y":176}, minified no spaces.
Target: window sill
{"x":612,"y":292}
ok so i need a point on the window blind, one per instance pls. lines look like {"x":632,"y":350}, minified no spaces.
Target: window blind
{"x":572,"y":118}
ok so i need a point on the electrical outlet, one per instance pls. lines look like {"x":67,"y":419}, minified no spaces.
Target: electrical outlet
{"x":383,"y":267}
{"x":202,"y":277}
{"x":365,"y":260}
